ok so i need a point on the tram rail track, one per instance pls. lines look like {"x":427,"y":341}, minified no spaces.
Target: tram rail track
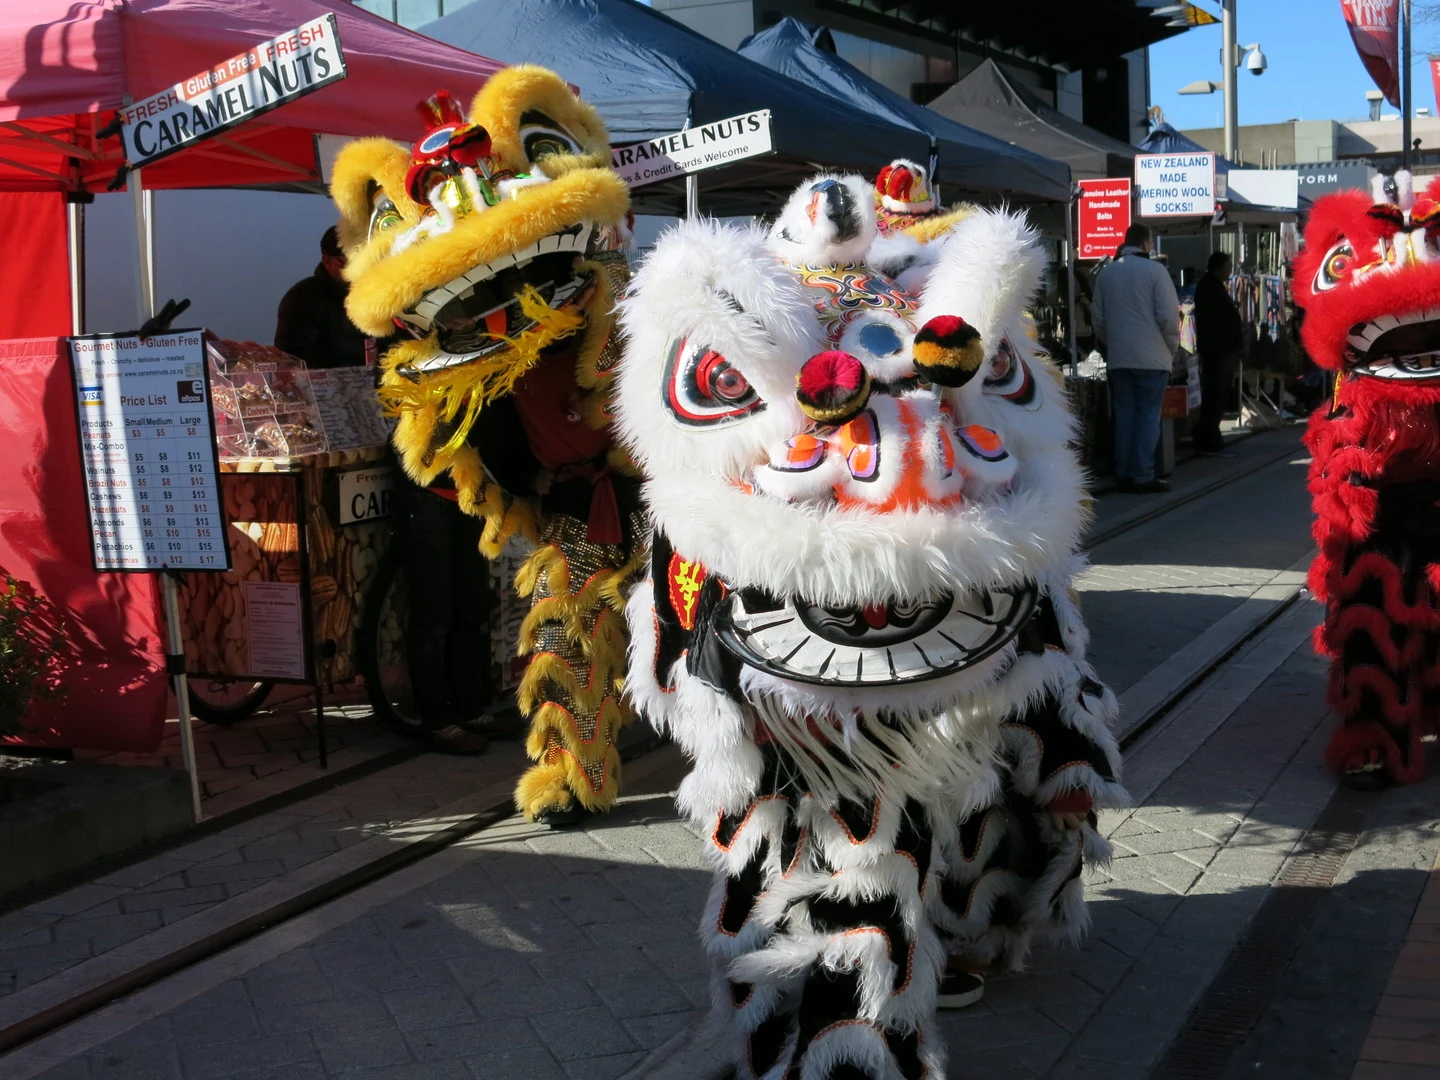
{"x":104,"y":979}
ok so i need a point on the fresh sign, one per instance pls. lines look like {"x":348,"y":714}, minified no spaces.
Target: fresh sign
{"x":239,"y":89}
{"x":694,"y":149}
{"x":1104,"y":217}
{"x":1175,"y":185}
{"x":365,"y":494}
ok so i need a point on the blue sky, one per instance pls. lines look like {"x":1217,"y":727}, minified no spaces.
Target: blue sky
{"x":1314,"y":73}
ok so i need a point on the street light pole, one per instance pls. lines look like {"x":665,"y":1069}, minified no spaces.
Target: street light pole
{"x":1406,"y":102}
{"x":1227,"y":53}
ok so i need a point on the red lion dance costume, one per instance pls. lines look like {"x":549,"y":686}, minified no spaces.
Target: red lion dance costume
{"x":1369,"y":282}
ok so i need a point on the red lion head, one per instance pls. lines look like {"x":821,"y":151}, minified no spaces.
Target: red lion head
{"x":1369,"y":281}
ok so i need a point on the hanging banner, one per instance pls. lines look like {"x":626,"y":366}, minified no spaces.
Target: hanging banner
{"x":1175,"y":185}
{"x":1104,"y":217}
{"x":1435,"y":79}
{"x":1375,"y":29}
{"x":239,"y":89}
{"x":701,"y":147}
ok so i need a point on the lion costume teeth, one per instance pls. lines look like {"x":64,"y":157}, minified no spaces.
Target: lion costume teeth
{"x":495,"y":245}
{"x":858,"y":619}
{"x":1369,"y":282}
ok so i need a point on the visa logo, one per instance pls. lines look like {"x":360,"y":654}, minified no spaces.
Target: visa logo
{"x":90,"y":395}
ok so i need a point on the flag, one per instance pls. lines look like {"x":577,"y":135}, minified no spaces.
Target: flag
{"x":1435,"y":80}
{"x":1375,"y":28}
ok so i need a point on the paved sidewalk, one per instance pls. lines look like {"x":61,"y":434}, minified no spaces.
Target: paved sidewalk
{"x":570,"y":955}
{"x":467,"y":959}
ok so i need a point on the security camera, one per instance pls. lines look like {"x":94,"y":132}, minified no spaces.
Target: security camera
{"x":1255,"y":63}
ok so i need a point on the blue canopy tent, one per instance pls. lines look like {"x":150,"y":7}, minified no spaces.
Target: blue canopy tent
{"x":650,"y":76}
{"x":958,"y":155}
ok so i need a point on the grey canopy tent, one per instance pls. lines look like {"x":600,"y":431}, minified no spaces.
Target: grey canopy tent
{"x":960,"y":156}
{"x":987,"y":100}
{"x":650,"y":76}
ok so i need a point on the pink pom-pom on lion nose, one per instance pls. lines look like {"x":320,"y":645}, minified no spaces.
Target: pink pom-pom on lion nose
{"x":832,"y":388}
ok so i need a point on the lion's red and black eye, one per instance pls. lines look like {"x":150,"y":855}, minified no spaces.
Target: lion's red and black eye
{"x":1338,"y":262}
{"x":1008,"y":376}
{"x":702,"y":387}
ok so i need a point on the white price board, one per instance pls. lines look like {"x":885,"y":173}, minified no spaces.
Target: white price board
{"x":1175,"y":185}
{"x":704,"y":146}
{"x":147,"y":440}
{"x":235,"y":90}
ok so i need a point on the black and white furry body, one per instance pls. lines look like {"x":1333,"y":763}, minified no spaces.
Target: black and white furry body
{"x":859,"y":623}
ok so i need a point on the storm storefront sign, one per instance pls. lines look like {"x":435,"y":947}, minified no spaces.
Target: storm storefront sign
{"x":238,"y":89}
{"x":1324,"y":177}
{"x":1375,"y":29}
{"x":703,"y":146}
{"x":1175,"y":185}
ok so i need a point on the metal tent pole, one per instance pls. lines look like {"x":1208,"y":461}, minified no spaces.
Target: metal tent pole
{"x":1070,"y":209}
{"x":169,"y":579}
{"x":145,"y":243}
{"x":75,"y":236}
{"x":175,"y":661}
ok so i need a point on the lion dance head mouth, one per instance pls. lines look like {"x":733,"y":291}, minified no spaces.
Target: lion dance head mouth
{"x":485,"y":242}
{"x":1369,"y":281}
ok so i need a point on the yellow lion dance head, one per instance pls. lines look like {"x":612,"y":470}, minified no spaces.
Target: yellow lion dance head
{"x":493,"y":244}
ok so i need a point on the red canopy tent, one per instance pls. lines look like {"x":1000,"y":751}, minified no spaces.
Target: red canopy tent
{"x":66,"y":65}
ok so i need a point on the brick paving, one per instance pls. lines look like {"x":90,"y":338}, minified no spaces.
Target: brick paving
{"x":278,"y":746}
{"x":1404,"y":1039}
{"x":52,"y":935}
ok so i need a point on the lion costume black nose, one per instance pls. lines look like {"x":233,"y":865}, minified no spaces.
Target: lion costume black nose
{"x":948,"y":351}
{"x":835,"y":201}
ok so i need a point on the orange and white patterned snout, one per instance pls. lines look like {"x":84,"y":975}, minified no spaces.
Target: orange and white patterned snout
{"x":885,"y":450}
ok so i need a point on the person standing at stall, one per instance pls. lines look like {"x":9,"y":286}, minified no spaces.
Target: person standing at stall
{"x":1136,"y":316}
{"x":1220,"y":337}
{"x":311,"y":323}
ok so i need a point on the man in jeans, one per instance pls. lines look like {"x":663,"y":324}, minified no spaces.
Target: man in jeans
{"x":1220,"y":336}
{"x":1137,"y":321}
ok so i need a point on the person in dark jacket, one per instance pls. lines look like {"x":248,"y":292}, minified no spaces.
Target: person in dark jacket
{"x":312,"y":323}
{"x":1220,"y":337}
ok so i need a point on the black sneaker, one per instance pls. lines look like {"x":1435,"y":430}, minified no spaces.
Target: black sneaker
{"x":566,"y":817}
{"x":959,"y":989}
{"x":1153,"y":487}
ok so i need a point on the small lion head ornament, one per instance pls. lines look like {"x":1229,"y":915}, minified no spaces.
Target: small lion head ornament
{"x":862,"y":491}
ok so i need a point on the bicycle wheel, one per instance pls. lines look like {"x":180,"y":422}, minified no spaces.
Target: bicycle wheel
{"x":224,"y":701}
{"x":382,"y":649}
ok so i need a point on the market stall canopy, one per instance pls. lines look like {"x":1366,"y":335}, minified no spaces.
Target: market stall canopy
{"x":987,"y":100}
{"x":964,"y":157}
{"x":67,"y":65}
{"x":650,"y":76}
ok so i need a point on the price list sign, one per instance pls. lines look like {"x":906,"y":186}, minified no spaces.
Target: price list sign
{"x":148,"y":444}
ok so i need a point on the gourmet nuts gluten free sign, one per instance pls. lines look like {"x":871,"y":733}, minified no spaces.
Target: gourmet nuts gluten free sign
{"x":235,"y":90}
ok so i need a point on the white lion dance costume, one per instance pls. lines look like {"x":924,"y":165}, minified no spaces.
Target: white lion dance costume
{"x":858,"y":621}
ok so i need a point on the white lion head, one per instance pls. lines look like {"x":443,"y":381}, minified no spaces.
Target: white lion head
{"x":865,"y":488}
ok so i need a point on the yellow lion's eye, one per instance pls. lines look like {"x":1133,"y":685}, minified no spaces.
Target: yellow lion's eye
{"x":542,"y":142}
{"x":383,"y":214}
{"x":1338,"y":262}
